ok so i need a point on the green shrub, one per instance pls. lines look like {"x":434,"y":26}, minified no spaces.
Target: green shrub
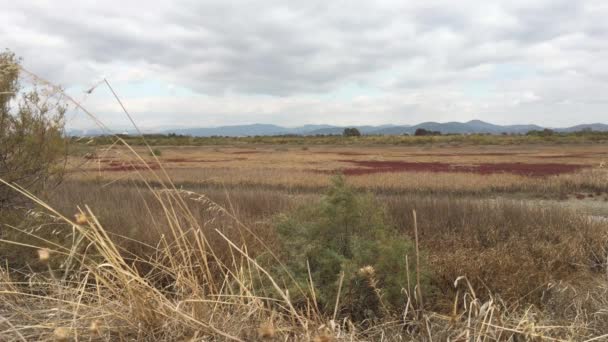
{"x":346,"y":232}
{"x":351,"y":132}
{"x":33,"y":150}
{"x":156,"y":152}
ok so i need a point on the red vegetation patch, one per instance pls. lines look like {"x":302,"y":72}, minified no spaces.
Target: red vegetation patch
{"x":114,"y":165}
{"x":488,"y":154}
{"x":180,"y":160}
{"x":344,"y":153}
{"x":571,"y":155}
{"x":118,"y":166}
{"x":537,"y":170}
{"x":185,"y":160}
{"x":90,"y":156}
{"x":246,"y":152}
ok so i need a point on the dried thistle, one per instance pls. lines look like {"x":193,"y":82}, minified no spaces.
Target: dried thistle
{"x":95,"y":327}
{"x":44,"y":254}
{"x":324,"y":337}
{"x":367,"y":272}
{"x":266,"y":330}
{"x":81,"y":218}
{"x":61,"y":334}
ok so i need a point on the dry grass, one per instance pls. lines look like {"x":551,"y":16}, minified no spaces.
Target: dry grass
{"x":514,"y":254}
{"x":297,"y":169}
{"x":186,"y":269}
{"x":202,"y":286}
{"x":523,"y":246}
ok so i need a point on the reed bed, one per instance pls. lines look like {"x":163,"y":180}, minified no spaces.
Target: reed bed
{"x":186,"y":267}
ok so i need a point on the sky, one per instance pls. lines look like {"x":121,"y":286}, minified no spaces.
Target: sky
{"x":212,"y":63}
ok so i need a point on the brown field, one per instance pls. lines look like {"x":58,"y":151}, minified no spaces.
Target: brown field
{"x":556,"y":171}
{"x":522,"y":229}
{"x":533,"y":192}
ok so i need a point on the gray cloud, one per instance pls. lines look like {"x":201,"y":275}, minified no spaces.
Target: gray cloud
{"x":452,"y":60}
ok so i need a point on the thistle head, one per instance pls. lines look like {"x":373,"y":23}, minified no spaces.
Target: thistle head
{"x":44,"y":254}
{"x":81,"y":218}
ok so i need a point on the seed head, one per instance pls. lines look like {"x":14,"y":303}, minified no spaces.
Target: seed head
{"x":367,"y":271}
{"x":324,"y":338}
{"x":44,"y":255}
{"x":81,"y":218}
{"x":95,"y":327}
{"x":61,"y":334}
{"x":266,"y":330}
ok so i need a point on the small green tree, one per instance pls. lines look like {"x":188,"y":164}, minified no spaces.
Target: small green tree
{"x":351,"y":132}
{"x":544,"y":133}
{"x":31,"y":133}
{"x":425,"y":132}
{"x":346,"y":232}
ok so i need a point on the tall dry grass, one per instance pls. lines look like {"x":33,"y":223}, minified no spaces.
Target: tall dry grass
{"x":195,"y":282}
{"x":554,"y":242}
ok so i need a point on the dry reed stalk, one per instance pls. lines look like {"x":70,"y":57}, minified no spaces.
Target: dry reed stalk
{"x":418,"y":273}
{"x":338,"y":296}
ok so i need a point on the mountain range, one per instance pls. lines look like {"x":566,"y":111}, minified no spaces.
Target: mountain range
{"x":470,"y":127}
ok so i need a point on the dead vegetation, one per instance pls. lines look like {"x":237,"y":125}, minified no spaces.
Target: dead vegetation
{"x":178,"y":264}
{"x":392,"y":170}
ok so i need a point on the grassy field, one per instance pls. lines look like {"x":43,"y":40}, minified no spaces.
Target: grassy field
{"x":555,"y":172}
{"x":172,"y":243}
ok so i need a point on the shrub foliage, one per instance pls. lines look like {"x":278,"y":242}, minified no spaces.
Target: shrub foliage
{"x":31,"y":132}
{"x":347,"y":234}
{"x":351,"y":132}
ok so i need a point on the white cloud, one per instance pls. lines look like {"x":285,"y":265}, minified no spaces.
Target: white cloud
{"x":289,"y":62}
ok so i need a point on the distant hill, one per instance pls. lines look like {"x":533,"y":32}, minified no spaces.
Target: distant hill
{"x":334,"y":130}
{"x":470,"y":127}
{"x":261,"y":129}
{"x":232,"y":131}
{"x":599,"y":127}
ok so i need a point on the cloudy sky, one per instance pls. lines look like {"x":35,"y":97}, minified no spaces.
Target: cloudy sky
{"x":210,"y":63}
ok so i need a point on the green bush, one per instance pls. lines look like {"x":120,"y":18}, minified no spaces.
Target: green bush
{"x":346,"y":232}
{"x":33,"y":149}
{"x":351,"y":132}
{"x":156,"y":152}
